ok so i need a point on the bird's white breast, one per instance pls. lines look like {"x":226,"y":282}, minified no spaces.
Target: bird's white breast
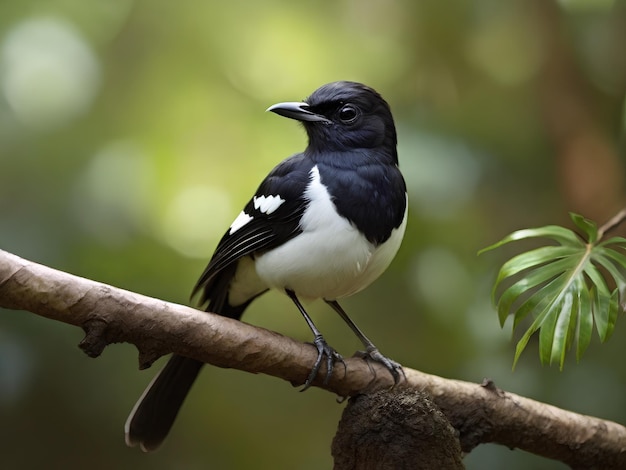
{"x":330,"y":259}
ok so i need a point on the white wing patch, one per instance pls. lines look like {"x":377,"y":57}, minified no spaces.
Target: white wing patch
{"x":264,"y":204}
{"x":267,"y":204}
{"x":241,"y":220}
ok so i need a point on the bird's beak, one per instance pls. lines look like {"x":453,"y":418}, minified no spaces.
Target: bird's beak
{"x":297,"y":111}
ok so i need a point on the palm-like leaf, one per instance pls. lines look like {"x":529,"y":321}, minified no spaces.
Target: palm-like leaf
{"x":562,"y":287}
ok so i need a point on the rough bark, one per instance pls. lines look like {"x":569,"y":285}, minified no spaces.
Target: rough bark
{"x":480,"y":412}
{"x":395,"y":430}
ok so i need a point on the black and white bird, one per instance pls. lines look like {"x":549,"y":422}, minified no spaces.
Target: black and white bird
{"x":324,"y":224}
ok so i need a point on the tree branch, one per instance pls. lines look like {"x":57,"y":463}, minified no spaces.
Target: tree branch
{"x":480,"y":412}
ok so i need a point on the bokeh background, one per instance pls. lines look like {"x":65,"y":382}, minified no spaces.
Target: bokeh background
{"x":132,"y":132}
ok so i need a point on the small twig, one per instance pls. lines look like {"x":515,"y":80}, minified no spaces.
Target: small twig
{"x":612,"y":223}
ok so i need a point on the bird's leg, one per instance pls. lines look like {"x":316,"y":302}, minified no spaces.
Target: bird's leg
{"x":371,"y":351}
{"x":323,"y":349}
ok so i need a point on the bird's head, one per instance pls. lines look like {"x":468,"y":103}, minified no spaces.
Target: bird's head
{"x":344,"y":116}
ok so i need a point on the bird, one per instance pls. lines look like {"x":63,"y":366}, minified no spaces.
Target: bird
{"x":324,"y":224}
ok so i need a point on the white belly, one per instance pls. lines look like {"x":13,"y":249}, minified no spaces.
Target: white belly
{"x":330,"y":259}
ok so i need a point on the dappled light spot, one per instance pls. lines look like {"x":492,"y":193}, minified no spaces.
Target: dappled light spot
{"x":194,"y":220}
{"x":436,"y":272}
{"x":505,"y":47}
{"x":115,"y":194}
{"x":442,"y":174}
{"x":49,"y":74}
{"x":17,"y":366}
{"x":587,"y":5}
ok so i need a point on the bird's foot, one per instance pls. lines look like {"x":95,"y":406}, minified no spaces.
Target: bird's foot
{"x":332,"y":356}
{"x":394,"y":368}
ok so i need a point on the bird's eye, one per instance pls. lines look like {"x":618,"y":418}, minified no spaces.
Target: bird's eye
{"x":348,"y":114}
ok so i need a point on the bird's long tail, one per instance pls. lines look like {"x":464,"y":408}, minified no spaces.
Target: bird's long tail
{"x":152,"y":417}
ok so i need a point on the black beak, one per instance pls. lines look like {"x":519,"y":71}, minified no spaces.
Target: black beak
{"x":297,"y":111}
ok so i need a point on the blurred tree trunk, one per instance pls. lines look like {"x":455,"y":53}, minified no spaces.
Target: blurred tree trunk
{"x":590,"y":173}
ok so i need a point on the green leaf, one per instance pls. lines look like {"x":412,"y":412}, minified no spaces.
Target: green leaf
{"x":621,"y":241}
{"x":563,"y":287}
{"x":605,"y":314}
{"x":560,"y":340}
{"x":546,"y":335}
{"x":585,"y":320}
{"x":532,"y":280}
{"x":537,"y":302}
{"x":617,"y":257}
{"x":603,"y":258}
{"x":533,"y":258}
{"x":612,"y":317}
{"x":589,"y":227}
{"x":554,"y":232}
{"x":597,"y":280}
{"x":521,"y":344}
{"x":601,"y":305}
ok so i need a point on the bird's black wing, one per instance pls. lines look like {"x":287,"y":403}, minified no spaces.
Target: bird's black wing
{"x":265,"y":229}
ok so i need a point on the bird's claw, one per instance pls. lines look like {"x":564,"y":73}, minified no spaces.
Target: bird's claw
{"x":394,"y":368}
{"x":332,"y":356}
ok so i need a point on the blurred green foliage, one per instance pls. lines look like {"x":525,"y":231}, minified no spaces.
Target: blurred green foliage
{"x":132,"y":132}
